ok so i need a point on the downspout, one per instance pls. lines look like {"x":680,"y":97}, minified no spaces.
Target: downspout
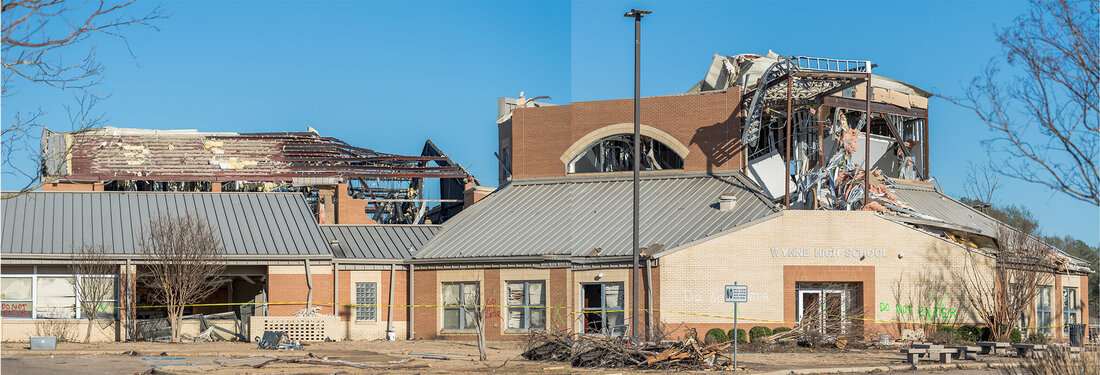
{"x":412,"y":330}
{"x":309,"y":284}
{"x":130,"y":313}
{"x":649,"y":300}
{"x":389,"y":312}
{"x":335,"y":288}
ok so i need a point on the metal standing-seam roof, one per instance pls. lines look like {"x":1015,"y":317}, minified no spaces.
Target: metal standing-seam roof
{"x":926,"y":200}
{"x":374,"y":241}
{"x":575,"y":215}
{"x":248,"y":224}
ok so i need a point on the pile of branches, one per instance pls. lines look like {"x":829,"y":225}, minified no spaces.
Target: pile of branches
{"x":601,"y":352}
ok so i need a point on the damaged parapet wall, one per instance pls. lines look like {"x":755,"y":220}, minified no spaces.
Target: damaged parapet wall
{"x":809,"y":117}
{"x":378,"y":187}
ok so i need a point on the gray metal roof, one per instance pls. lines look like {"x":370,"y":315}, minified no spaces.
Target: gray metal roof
{"x":928,"y":201}
{"x":378,"y":241}
{"x":572,"y":216}
{"x":248,"y":224}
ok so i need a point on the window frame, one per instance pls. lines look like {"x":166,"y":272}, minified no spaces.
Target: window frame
{"x":603,"y":310}
{"x":463,"y":325}
{"x":603,"y":143}
{"x":79,"y":315}
{"x":1043,"y":316}
{"x":372,"y":310}
{"x":1070,"y":306}
{"x":526,"y":306}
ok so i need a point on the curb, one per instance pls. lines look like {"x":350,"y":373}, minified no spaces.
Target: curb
{"x":890,"y":368}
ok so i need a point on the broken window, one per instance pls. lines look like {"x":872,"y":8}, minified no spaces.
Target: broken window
{"x":603,"y":308}
{"x":616,"y":154}
{"x":366,"y":296}
{"x":526,"y":305}
{"x":459,"y":302}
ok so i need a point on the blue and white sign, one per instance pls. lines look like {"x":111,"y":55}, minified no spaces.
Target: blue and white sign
{"x":737,"y":293}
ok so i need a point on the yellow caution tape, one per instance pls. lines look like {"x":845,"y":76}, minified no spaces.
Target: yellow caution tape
{"x":540,"y":307}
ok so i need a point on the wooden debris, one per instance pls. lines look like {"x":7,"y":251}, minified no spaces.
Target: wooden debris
{"x":337,"y":362}
{"x":593,"y":352}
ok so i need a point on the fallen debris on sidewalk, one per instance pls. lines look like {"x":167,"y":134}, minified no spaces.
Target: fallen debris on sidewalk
{"x":583,"y":351}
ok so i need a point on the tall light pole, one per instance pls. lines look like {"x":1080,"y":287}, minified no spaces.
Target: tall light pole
{"x":637,"y":16}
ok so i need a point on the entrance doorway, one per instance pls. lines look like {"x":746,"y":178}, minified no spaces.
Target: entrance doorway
{"x":829,"y":307}
{"x":603,"y":308}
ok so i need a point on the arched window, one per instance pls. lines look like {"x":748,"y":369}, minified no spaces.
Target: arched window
{"x":615,"y":154}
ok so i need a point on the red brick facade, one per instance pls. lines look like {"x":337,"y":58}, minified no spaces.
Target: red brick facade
{"x":707,"y":124}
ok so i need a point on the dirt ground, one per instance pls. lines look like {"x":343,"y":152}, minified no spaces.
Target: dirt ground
{"x":388,"y":357}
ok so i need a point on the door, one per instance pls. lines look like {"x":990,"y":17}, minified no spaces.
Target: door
{"x":825,"y":307}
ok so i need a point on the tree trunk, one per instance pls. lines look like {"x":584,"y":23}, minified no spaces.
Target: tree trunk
{"x":88,"y":334}
{"x":479,"y":324}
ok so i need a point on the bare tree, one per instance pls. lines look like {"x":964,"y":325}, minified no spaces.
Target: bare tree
{"x":93,"y":284}
{"x":46,"y":42}
{"x":982,"y":183}
{"x":1045,"y":119}
{"x":184,"y":258}
{"x":999,"y":287}
{"x":479,"y":312}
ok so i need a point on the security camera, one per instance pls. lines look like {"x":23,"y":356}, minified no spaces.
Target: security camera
{"x":599,"y":276}
{"x":900,"y":255}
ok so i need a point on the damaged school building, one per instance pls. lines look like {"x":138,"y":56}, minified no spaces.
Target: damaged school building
{"x":806,"y":179}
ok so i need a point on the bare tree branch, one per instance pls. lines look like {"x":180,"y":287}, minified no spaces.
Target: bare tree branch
{"x":94,"y":281}
{"x":46,"y":42}
{"x":1045,"y":118}
{"x":185,"y":257}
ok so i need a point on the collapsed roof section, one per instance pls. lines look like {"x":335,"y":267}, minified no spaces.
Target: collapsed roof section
{"x":110,"y":153}
{"x":390,"y":186}
{"x":824,"y":133}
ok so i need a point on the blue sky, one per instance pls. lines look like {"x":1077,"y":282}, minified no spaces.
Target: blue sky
{"x":388,"y":75}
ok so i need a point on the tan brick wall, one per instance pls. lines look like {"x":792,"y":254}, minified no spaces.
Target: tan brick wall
{"x":693,"y":279}
{"x":706,"y":124}
{"x":73,"y":186}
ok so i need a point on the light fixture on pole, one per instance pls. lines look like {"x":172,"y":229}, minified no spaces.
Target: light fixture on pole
{"x":637,"y":15}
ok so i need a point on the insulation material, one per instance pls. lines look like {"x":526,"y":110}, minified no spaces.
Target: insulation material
{"x":767,"y":172}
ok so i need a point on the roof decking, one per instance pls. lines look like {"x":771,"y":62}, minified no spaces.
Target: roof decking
{"x":54,"y":224}
{"x":578,"y":215}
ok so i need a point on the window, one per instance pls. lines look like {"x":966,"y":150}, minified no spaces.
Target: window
{"x":366,"y":294}
{"x":1043,"y":317}
{"x":603,"y":308}
{"x":616,"y":153}
{"x":1069,"y":308}
{"x":459,"y":301}
{"x":16,"y":297}
{"x":52,"y":296}
{"x":526,"y":305}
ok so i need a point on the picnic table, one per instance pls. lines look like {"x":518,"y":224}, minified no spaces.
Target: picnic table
{"x":992,"y":347}
{"x":1023,"y":350}
{"x":963,"y":352}
{"x":918,"y":350}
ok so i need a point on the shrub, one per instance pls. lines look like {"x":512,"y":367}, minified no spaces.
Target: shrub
{"x":944,"y":335}
{"x":1014,"y":337}
{"x":742,"y":338}
{"x":969,"y":333}
{"x":1035,"y":337}
{"x":715,"y":335}
{"x":780,"y":329}
{"x":759,"y":332}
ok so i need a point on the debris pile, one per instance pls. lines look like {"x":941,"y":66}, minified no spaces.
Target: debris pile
{"x":594,"y":352}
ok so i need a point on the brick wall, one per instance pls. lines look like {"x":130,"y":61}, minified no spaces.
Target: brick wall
{"x":287,"y":284}
{"x":350,"y":210}
{"x":705,"y":123}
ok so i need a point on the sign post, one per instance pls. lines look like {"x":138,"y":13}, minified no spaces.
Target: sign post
{"x":736,"y":294}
